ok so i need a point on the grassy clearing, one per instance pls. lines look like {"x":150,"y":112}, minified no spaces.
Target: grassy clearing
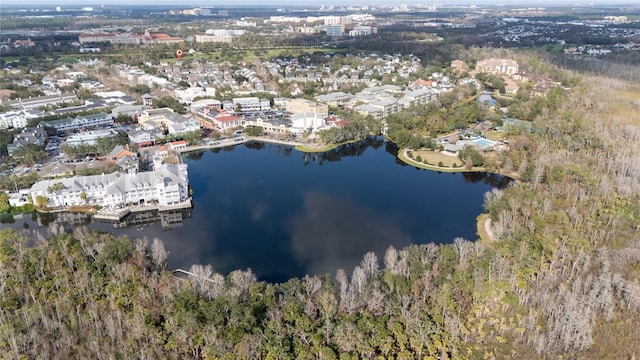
{"x":324,"y":148}
{"x":482,"y":232}
{"x":625,"y":104}
{"x":412,"y":162}
{"x":496,"y":135}
{"x":436,"y":157}
{"x":328,"y":147}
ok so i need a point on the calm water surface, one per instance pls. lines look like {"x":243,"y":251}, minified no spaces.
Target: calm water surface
{"x":283,"y":213}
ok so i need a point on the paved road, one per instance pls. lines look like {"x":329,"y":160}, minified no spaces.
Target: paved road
{"x":240,"y":140}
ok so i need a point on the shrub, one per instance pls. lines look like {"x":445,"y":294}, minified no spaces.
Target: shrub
{"x":419,"y":158}
{"x":440,"y":164}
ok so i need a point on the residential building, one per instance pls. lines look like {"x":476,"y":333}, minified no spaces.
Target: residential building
{"x":13,"y":119}
{"x":418,"y":97}
{"x":294,"y":106}
{"x":167,"y":185}
{"x":250,"y":104}
{"x":154,"y":117}
{"x":141,"y":137}
{"x":367,"y":109}
{"x":334,"y":99}
{"x":498,"y":66}
{"x":147,"y":101}
{"x":34,"y":136}
{"x":89,"y":137}
{"x":182,"y":127}
{"x":80,"y":122}
{"x":130,"y":110}
{"x":39,"y":101}
{"x":511,"y":87}
{"x":126,"y":159}
{"x":387,"y":105}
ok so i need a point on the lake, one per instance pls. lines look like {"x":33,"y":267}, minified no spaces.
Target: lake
{"x":284,"y":213}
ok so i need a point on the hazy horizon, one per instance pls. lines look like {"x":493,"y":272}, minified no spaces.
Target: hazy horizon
{"x":299,"y":3}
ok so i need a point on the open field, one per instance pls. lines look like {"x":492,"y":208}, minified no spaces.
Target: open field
{"x":435,"y":157}
{"x":625,"y":103}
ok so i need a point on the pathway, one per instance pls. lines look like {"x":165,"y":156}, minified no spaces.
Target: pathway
{"x":489,"y":230}
{"x":244,"y":138}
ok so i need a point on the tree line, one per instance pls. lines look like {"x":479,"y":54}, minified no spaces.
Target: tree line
{"x":556,"y":276}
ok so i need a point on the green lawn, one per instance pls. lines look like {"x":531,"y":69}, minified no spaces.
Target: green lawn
{"x":436,"y":157}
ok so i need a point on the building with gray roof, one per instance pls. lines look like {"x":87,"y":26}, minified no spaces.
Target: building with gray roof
{"x":166,"y":186}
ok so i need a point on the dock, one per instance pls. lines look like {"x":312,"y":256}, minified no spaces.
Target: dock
{"x":111,"y":214}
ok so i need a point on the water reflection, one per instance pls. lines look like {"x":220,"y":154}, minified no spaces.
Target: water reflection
{"x":164,"y":220}
{"x":495,"y":180}
{"x":260,"y":206}
{"x":334,"y":232}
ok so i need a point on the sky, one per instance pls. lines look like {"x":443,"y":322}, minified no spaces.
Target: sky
{"x":285,"y":3}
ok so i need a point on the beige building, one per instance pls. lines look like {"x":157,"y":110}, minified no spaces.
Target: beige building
{"x":213,"y":38}
{"x":498,"y":66}
{"x":294,"y":106}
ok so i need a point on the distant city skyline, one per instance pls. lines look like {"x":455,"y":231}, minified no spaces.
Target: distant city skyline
{"x":299,"y":3}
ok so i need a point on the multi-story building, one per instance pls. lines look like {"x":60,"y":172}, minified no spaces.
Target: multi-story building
{"x":38,"y":101}
{"x":363,"y":30}
{"x":294,"y":106}
{"x":250,"y":104}
{"x":182,"y":127}
{"x":335,"y":98}
{"x":334,"y":30}
{"x":225,"y":122}
{"x":13,"y":119}
{"x":141,"y":137}
{"x":33,"y":136}
{"x":80,"y":122}
{"x":167,"y":185}
{"x":128,"y":38}
{"x":90,"y":137}
{"x":498,"y":66}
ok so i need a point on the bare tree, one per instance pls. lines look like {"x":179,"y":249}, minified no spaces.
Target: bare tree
{"x":159,"y":254}
{"x":358,"y":279}
{"x":391,"y":259}
{"x":370,"y":264}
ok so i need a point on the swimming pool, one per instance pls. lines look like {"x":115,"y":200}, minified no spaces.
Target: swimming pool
{"x":483,"y":143}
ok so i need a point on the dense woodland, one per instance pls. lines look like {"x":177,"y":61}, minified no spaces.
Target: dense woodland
{"x":559,"y":280}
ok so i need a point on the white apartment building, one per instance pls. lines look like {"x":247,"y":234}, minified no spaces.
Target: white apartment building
{"x":250,"y":104}
{"x":167,"y":185}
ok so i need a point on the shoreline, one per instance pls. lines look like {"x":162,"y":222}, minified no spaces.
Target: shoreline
{"x":402,"y":155}
{"x":297,"y":145}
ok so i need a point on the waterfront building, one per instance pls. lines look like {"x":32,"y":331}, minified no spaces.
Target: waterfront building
{"x":167,"y":186}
